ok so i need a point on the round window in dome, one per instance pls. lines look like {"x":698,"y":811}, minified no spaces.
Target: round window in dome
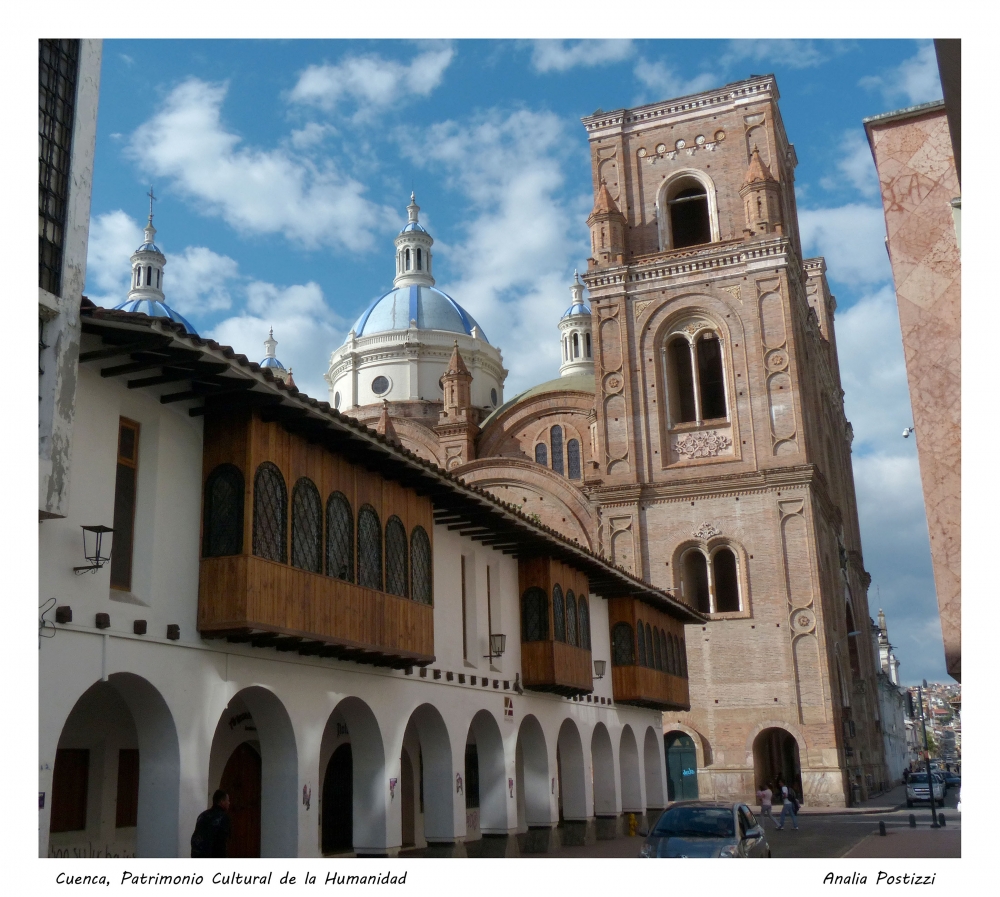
{"x":493,"y":397}
{"x":336,"y":400}
{"x":380,"y":385}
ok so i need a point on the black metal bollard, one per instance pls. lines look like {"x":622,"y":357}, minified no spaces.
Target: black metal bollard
{"x":913,"y":821}
{"x":940,"y":818}
{"x":881,"y":828}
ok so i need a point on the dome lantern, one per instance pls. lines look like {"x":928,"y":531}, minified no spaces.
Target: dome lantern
{"x":413,"y":251}
{"x":575,"y":332}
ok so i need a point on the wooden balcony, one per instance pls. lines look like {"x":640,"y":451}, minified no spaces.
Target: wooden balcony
{"x":646,"y":687}
{"x":556,"y":667}
{"x":274,"y":605}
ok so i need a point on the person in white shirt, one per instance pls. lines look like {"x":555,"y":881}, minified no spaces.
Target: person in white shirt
{"x":764,"y":795}
{"x":787,"y":805}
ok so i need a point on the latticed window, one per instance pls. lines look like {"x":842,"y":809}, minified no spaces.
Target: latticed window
{"x":682,"y":656}
{"x":396,"y":562}
{"x":556,"y":438}
{"x":420,"y":566}
{"x":339,"y":537}
{"x":641,"y":660}
{"x":584,"y":614}
{"x":223,"y":523}
{"x":621,"y":645}
{"x":307,"y":526}
{"x":270,"y":514}
{"x":369,"y":548}
{"x":534,"y":615}
{"x":58,"y":62}
{"x":541,"y":454}
{"x":657,"y":650}
{"x":573,"y":458}
{"x":649,"y":645}
{"x":558,"y":614}
{"x":570,"y":618}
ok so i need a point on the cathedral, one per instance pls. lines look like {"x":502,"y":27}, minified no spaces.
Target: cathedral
{"x":695,"y":434}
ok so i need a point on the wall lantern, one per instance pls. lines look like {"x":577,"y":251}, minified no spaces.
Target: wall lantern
{"x":498,"y":642}
{"x":92,"y":539}
{"x":599,"y":667}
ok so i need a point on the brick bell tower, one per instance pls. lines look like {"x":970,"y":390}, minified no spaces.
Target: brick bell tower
{"x":723,"y":453}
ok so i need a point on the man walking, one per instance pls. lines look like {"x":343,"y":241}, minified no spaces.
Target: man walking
{"x":211,"y":831}
{"x":787,"y":805}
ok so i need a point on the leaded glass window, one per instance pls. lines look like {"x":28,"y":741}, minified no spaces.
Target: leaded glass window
{"x":584,"y":614}
{"x":573,"y":458}
{"x":223,"y":524}
{"x":307,"y":526}
{"x":558,"y":614}
{"x":641,"y":660}
{"x":396,"y":562}
{"x":621,"y":645}
{"x":339,"y":537}
{"x":534,"y":615}
{"x":682,"y":654}
{"x":556,"y":438}
{"x":671,"y":657}
{"x":541,"y":454}
{"x":649,"y":645}
{"x":369,"y":548}
{"x":570,"y":618}
{"x":420,"y":566}
{"x":657,"y":650}
{"x":270,"y":514}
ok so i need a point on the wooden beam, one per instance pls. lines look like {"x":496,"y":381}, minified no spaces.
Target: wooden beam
{"x":226,"y":385}
{"x":245,"y":400}
{"x":170,"y":357}
{"x":127,"y":348}
{"x":207,"y":369}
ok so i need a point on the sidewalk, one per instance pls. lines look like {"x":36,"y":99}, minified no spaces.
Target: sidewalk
{"x":890,"y":800}
{"x":907,"y":843}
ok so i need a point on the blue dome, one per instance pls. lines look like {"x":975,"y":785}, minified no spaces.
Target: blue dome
{"x":413,"y":226}
{"x":155,"y":309}
{"x":272,"y":362}
{"x":149,"y":247}
{"x":428,"y":306}
{"x":576,"y":310}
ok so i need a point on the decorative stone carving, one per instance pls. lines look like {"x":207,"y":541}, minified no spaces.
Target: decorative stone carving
{"x":706,"y":531}
{"x":639,"y":307}
{"x":642,"y":152}
{"x":803,"y":620}
{"x":702,"y":445}
{"x":735,"y":292}
{"x":613,"y":383}
{"x":777,"y":360}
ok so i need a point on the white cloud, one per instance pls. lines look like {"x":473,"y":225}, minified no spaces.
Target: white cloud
{"x":855,"y":165}
{"x":311,"y":135}
{"x":304,"y":325}
{"x":795,"y":54}
{"x":661,"y":81}
{"x":561,"y":55}
{"x":114,"y":236}
{"x":254,"y":190}
{"x":915,"y":80}
{"x":199,"y":281}
{"x":512,"y":268}
{"x":372,"y":80}
{"x":851,"y":238}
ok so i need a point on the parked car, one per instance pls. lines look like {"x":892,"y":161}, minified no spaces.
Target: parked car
{"x":705,"y":828}
{"x":940,"y":776}
{"x":918,"y":790}
{"x":953,"y":780}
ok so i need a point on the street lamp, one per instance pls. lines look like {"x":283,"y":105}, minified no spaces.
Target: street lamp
{"x":927,"y":755}
{"x":498,"y":641}
{"x":599,"y":668}
{"x":93,"y":535}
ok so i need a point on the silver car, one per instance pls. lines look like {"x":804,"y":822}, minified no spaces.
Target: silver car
{"x":917,"y":790}
{"x":706,"y":828}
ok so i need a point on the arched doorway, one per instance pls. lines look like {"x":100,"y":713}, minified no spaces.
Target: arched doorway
{"x":628,"y":760}
{"x":682,"y":766}
{"x":652,"y":769}
{"x":407,"y":802}
{"x":116,"y":774}
{"x":241,"y":781}
{"x":776,"y":754}
{"x":338,"y":802}
{"x":493,"y":793}
{"x":602,"y":757}
{"x":571,"y":780}
{"x":532,"y":774}
{"x":427,"y":734}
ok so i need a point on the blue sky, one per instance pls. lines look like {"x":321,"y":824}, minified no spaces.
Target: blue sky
{"x":283,"y":168}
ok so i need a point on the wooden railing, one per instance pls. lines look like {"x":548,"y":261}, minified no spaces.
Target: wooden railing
{"x":649,"y":688}
{"x":556,"y":667}
{"x":250,"y":598}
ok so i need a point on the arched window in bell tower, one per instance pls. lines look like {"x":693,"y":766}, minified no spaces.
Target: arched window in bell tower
{"x":694,"y":376}
{"x":689,"y":222}
{"x":682,"y":393}
{"x":407,"y":259}
{"x":420,"y":259}
{"x":710,"y":380}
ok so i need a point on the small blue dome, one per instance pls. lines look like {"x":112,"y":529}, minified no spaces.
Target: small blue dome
{"x":272,"y":362}
{"x":428,"y":306}
{"x":576,"y":310}
{"x":155,"y":309}
{"x":149,"y":247}
{"x":413,"y":226}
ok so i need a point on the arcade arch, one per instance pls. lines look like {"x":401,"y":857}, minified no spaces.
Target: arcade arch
{"x":570,"y":766}
{"x":776,"y":753}
{"x":603,"y":759}
{"x":628,"y":760}
{"x":653,"y":769}
{"x":531,"y":764}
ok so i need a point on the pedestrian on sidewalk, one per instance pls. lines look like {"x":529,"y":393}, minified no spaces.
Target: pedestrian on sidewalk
{"x":764,"y":795}
{"x":788,"y":802}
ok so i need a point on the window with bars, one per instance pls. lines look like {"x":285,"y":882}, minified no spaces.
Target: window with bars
{"x":396,"y":561}
{"x":270,"y":514}
{"x":573,"y":458}
{"x":126,"y":475}
{"x":641,"y":644}
{"x":584,"y":614}
{"x":339,"y":537}
{"x":668,"y":653}
{"x":542,"y":454}
{"x":682,"y":654}
{"x":58,"y":63}
{"x":307,"y":526}
{"x":570,"y":618}
{"x":657,"y":650}
{"x":556,"y":440}
{"x":649,"y":646}
{"x":420,"y":566}
{"x":621,"y":645}
{"x":558,"y":614}
{"x":534,"y":615}
{"x":369,"y":548}
{"x":222,"y":531}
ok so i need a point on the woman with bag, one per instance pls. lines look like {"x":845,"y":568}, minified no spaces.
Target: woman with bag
{"x":788,"y":803}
